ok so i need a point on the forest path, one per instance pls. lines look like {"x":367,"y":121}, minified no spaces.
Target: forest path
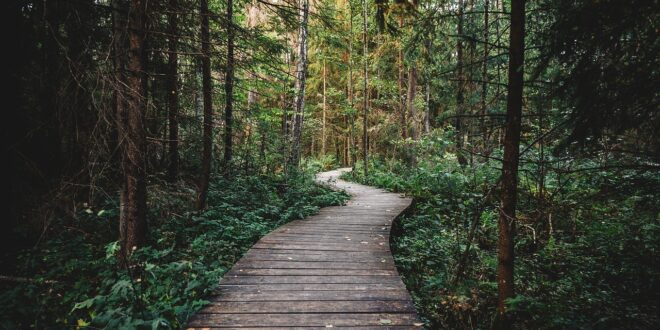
{"x":333,"y":269}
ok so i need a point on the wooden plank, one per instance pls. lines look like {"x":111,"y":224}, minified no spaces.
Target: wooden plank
{"x":249,"y":279}
{"x":304,"y":319}
{"x":322,"y":247}
{"x":314,"y":264}
{"x":312,"y":272}
{"x":342,"y":295}
{"x":346,"y":242}
{"x":308,"y":287}
{"x":336,"y":257}
{"x":253,"y":307}
{"x":378,"y":327}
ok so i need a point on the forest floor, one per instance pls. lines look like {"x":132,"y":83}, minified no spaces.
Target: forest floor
{"x":331,"y":269}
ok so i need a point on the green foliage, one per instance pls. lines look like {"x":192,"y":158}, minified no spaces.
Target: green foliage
{"x":586,"y":258}
{"x":75,"y":278}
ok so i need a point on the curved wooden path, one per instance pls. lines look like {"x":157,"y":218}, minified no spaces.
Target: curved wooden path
{"x":333,"y":269}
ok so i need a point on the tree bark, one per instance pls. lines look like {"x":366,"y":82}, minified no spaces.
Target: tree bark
{"x":365,"y":138}
{"x":323,"y":134}
{"x":301,"y":76}
{"x":133,"y":209}
{"x":229,"y":88}
{"x":460,"y":98}
{"x":353,"y":156}
{"x":173,"y":92}
{"x":427,"y":108}
{"x":410,"y":99}
{"x":507,"y":218}
{"x":484,"y":79}
{"x":208,"y":107}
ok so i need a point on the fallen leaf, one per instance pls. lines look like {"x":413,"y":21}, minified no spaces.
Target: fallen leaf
{"x":385,"y":321}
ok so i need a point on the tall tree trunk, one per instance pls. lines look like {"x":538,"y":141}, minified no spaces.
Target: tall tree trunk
{"x":410,"y":99}
{"x":507,"y":218}
{"x":323,"y":134}
{"x":229,"y":87}
{"x":133,"y":224}
{"x":460,"y":79}
{"x":208,"y":107}
{"x":173,"y":92}
{"x":484,"y":80}
{"x":350,"y":86}
{"x":400,"y":93}
{"x":300,"y":84}
{"x":427,"y":108}
{"x":365,"y":137}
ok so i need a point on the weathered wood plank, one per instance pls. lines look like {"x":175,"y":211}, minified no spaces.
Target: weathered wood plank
{"x":246,"y":307}
{"x":343,"y":295}
{"x":309,"y":279}
{"x":311,"y":272}
{"x":304,"y":319}
{"x":334,"y":257}
{"x":308,"y":287}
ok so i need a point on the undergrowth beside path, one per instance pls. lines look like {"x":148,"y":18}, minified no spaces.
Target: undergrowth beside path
{"x":72,"y":277}
{"x":594,"y":264}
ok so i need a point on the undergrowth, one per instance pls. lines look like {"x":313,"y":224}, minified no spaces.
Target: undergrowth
{"x":587,"y":248}
{"x":72,"y":278}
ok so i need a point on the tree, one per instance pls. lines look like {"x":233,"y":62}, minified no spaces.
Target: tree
{"x":509,"y":181}
{"x":301,"y":76}
{"x":365,"y":124}
{"x":173,"y":91}
{"x":207,"y":91}
{"x":460,"y":80}
{"x":229,"y":86}
{"x":132,"y":220}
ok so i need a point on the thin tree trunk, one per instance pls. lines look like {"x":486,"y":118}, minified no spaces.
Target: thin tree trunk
{"x":350,"y":86}
{"x":365,"y":138}
{"x":400,"y":93}
{"x":133,"y":224}
{"x":410,"y":99}
{"x":208,"y":107}
{"x":229,"y":88}
{"x":484,"y":81}
{"x":173,"y":95}
{"x":507,"y":218}
{"x":460,"y":98}
{"x":323,"y":134}
{"x":300,"y":84}
{"x":427,"y":108}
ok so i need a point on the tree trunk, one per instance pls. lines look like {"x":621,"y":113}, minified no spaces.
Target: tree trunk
{"x":400,"y":92}
{"x":229,"y":88}
{"x":323,"y":134}
{"x":208,"y":107}
{"x":133,"y":209}
{"x":427,"y":108}
{"x":173,"y":95}
{"x":460,"y":98}
{"x":365,"y":137}
{"x":410,"y":99}
{"x":353,"y":155}
{"x":484,"y":80}
{"x":507,"y":218}
{"x":301,"y":76}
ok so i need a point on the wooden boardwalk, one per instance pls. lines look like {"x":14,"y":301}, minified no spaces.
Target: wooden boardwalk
{"x":333,"y":269}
